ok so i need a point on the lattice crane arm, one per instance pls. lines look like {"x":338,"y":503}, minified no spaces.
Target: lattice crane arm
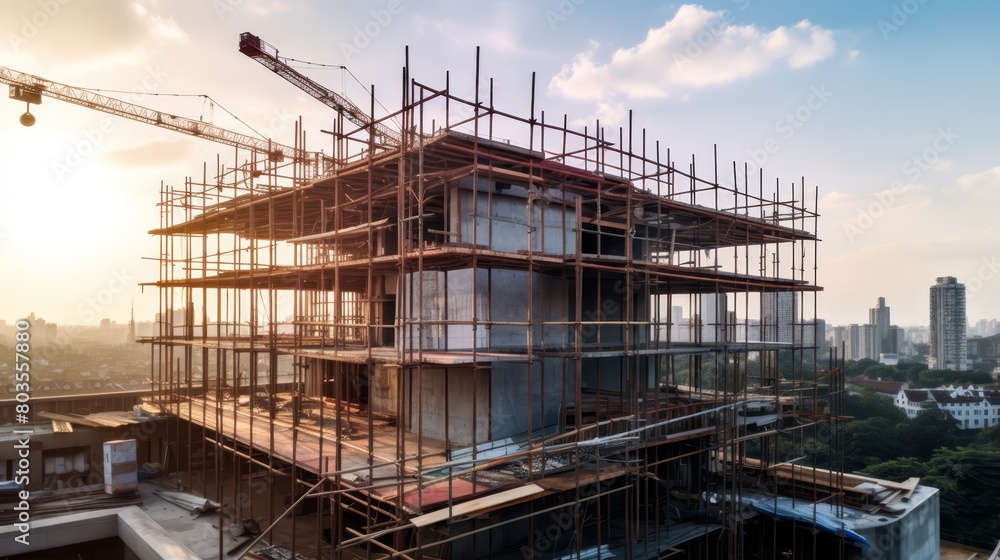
{"x":30,"y":88}
{"x":266,"y":54}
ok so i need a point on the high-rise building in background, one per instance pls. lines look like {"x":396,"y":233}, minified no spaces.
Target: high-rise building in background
{"x":779,"y":311}
{"x":879,"y":316}
{"x":814,"y":334}
{"x":948,"y":344}
{"x":898,"y":335}
{"x":862,"y":342}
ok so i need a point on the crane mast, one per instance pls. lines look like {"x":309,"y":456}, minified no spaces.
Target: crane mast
{"x":30,"y":88}
{"x":266,"y":54}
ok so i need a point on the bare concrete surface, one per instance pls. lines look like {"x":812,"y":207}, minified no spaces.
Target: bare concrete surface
{"x":200,"y":533}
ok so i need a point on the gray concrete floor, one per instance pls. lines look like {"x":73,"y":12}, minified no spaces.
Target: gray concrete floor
{"x":200,"y":533}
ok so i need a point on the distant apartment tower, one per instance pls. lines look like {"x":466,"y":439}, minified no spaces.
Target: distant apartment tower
{"x":948,"y":344}
{"x":838,"y":340}
{"x":851,"y":343}
{"x":879,"y":316}
{"x":899,"y":340}
{"x":779,"y":311}
{"x":861,"y":342}
{"x":870,"y":344}
{"x":814,"y":334}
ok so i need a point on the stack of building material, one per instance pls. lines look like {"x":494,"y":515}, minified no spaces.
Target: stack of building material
{"x":48,"y":503}
{"x":120,"y":469}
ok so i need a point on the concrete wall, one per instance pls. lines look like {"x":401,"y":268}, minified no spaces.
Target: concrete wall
{"x":913,"y":535}
{"x":499,"y":295}
{"x":439,"y":395}
{"x":384,"y":389}
{"x":497,"y":218}
{"x":314,"y":378}
{"x":511,"y":394}
{"x":603,"y":373}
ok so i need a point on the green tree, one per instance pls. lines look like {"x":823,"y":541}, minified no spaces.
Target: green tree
{"x":931,"y":430}
{"x":943,"y":378}
{"x":898,"y":470}
{"x":870,"y":404}
{"x":870,"y":441}
{"x":969,"y":479}
{"x":989,"y":437}
{"x":855,"y":368}
{"x":884,"y":372}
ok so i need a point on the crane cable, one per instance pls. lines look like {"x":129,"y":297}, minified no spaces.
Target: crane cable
{"x":343,"y":87}
{"x":202,"y":95}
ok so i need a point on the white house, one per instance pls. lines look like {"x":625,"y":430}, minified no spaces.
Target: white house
{"x":974,"y":408}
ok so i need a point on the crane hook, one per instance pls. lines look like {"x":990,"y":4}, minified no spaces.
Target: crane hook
{"x":27,"y":119}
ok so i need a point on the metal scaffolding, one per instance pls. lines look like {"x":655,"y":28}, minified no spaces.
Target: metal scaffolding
{"x":563,"y":345}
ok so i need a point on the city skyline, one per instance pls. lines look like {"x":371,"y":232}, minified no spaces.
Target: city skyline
{"x":814,"y":86}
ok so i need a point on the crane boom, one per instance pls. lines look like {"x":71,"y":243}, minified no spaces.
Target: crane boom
{"x":266,"y":54}
{"x":27,"y":87}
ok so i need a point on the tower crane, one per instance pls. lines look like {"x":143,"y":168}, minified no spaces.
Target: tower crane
{"x":30,"y":89}
{"x":266,"y":54}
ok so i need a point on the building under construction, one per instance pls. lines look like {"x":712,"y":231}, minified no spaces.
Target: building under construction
{"x":467,"y":333}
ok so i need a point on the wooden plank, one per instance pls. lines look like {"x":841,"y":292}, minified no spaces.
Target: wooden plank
{"x":478,"y":504}
{"x":892,"y":497}
{"x":74,"y":418}
{"x":358,"y":229}
{"x":570,"y":480}
{"x":62,"y":427}
{"x":116,"y":416}
{"x":911,"y":483}
{"x":104,"y":420}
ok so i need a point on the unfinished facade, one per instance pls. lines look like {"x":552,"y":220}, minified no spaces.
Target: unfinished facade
{"x":467,"y":342}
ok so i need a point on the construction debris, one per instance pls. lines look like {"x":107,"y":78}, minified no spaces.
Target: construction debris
{"x":190,"y":502}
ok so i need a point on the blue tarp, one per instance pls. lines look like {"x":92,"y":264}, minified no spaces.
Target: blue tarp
{"x":820,"y":515}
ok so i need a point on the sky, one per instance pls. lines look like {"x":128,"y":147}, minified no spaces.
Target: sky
{"x":888,"y":107}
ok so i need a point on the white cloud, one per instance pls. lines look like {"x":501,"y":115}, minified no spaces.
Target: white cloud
{"x":982,"y":185}
{"x":159,"y":27}
{"x":121,"y":31}
{"x":697,"y":48}
{"x":610,"y":113}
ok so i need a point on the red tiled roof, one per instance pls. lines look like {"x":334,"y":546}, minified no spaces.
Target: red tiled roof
{"x":887,"y":387}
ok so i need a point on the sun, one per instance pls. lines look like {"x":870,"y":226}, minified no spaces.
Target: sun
{"x":48,"y":215}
